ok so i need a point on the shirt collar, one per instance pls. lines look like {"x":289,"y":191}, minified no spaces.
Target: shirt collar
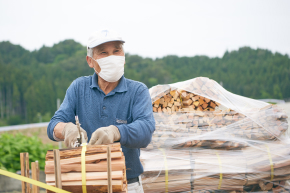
{"x":95,"y":81}
{"x":121,"y":87}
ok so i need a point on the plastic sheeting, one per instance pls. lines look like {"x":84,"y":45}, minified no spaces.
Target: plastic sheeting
{"x":208,"y":139}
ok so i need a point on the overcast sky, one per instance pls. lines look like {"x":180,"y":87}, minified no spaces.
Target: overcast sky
{"x":152,"y":28}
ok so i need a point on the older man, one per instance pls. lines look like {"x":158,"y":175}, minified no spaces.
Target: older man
{"x":109,"y":106}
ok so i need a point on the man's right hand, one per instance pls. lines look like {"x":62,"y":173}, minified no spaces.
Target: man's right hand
{"x":71,"y":133}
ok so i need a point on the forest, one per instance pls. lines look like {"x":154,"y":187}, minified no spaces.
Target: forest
{"x":32,"y":81}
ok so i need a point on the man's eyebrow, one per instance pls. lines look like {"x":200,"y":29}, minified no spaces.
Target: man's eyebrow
{"x":101,"y":49}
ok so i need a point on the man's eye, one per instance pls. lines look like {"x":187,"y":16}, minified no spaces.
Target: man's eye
{"x":103,"y":53}
{"x":117,"y":50}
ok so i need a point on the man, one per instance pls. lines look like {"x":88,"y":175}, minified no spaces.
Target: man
{"x":109,"y":106}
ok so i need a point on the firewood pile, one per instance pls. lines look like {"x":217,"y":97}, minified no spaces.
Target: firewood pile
{"x":198,"y":170}
{"x":96,"y":169}
{"x":208,"y":139}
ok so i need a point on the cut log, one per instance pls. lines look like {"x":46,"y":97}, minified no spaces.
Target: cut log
{"x":89,"y":158}
{"x":117,"y":164}
{"x":75,"y":152}
{"x":77,"y":176}
{"x":94,"y":186}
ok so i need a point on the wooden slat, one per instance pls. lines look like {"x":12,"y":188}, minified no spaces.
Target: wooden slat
{"x":89,"y":158}
{"x":109,"y":169}
{"x":75,"y":176}
{"x":89,"y":183}
{"x":34,"y":176}
{"x":57,"y":170}
{"x":27,"y":171}
{"x":37,"y":174}
{"x":92,"y":186}
{"x":23,"y":171}
{"x":117,"y":164}
{"x":91,"y":149}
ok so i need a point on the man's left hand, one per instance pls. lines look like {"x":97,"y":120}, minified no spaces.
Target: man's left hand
{"x":105,"y":135}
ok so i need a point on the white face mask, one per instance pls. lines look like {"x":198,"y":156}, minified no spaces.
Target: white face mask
{"x":112,"y":68}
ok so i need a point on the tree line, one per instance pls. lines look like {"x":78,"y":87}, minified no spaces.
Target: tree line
{"x":32,"y":81}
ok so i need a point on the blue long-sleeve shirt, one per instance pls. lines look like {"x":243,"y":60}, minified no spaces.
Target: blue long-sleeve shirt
{"x":128,"y":107}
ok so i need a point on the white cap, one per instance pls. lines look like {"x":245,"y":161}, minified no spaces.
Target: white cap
{"x":103,"y":36}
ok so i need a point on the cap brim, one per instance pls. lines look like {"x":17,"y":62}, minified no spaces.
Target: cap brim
{"x":95,"y":44}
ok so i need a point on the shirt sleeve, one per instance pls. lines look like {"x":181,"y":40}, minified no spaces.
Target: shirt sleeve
{"x":65,"y":113}
{"x":138,"y":134}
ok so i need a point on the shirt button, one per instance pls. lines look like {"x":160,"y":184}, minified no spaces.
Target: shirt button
{"x":104,"y":107}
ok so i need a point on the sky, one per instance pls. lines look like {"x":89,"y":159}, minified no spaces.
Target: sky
{"x":151,"y":28}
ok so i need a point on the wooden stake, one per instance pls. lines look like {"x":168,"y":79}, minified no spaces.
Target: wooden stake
{"x":35,"y":176}
{"x":57,"y":169}
{"x":109,"y":169}
{"x":33,"y":171}
{"x":23,"y":171}
{"x":27,"y":171}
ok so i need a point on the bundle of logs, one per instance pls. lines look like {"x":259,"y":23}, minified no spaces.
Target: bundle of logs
{"x":96,"y":169}
{"x":251,"y":169}
{"x":184,"y":119}
{"x":207,"y":140}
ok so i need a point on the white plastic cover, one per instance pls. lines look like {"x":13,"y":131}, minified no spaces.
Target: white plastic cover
{"x":209,"y":139}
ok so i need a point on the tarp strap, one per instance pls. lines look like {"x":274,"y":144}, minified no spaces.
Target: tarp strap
{"x":31,"y":181}
{"x":83,"y":161}
{"x":271,"y":162}
{"x":221,"y":171}
{"x":166,"y":169}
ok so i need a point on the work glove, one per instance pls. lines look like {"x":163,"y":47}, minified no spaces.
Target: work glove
{"x":105,"y":135}
{"x":71,"y":133}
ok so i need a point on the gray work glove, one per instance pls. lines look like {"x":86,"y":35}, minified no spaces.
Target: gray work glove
{"x":105,"y":135}
{"x":71,"y":133}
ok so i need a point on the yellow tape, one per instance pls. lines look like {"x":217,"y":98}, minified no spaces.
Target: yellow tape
{"x":84,"y":184}
{"x":221,"y":171}
{"x":166,"y":169}
{"x":271,"y":162}
{"x":31,"y":181}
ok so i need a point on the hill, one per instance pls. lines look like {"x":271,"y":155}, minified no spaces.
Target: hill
{"x":30,"y":82}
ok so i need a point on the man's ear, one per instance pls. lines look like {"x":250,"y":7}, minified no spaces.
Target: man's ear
{"x":90,"y":62}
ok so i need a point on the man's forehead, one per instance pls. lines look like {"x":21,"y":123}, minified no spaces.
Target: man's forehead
{"x":103,"y":46}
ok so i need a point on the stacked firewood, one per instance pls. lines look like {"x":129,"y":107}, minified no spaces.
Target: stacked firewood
{"x":243,"y":170}
{"x":96,"y":169}
{"x":216,"y":129}
{"x":208,"y":139}
{"x":180,"y":100}
{"x":184,"y":119}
